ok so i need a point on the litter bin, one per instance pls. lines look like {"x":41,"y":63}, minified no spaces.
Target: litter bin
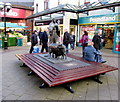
{"x":19,"y":41}
{"x":12,"y":41}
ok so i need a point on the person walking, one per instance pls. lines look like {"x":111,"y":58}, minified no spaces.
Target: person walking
{"x":84,"y":41}
{"x":66,"y":39}
{"x":97,"y":41}
{"x":44,"y":39}
{"x":72,"y":40}
{"x":34,"y":40}
{"x":40,"y":35}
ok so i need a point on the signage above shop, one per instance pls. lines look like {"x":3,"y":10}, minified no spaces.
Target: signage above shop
{"x":108,"y":18}
{"x":102,"y":19}
{"x":41,"y":23}
{"x":14,"y":13}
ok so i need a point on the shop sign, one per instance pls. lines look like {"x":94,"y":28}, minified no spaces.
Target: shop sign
{"x":109,"y":18}
{"x":102,"y":19}
{"x":41,"y":23}
{"x":14,"y":13}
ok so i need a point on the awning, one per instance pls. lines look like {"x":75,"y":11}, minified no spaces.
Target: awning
{"x":12,"y":25}
{"x":75,"y":9}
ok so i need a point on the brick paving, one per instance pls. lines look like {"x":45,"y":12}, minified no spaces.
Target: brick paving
{"x":17,"y":85}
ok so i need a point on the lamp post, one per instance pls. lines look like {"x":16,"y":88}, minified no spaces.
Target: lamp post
{"x":5,"y":7}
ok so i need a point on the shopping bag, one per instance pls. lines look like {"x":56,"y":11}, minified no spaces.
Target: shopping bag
{"x":35,"y":49}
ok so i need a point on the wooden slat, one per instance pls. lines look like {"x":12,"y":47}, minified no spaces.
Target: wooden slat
{"x":40,"y":69}
{"x":49,"y":68}
{"x":82,"y":73}
{"x":30,"y":65}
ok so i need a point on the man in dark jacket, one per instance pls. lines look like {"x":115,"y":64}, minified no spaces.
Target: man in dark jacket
{"x":66,"y":39}
{"x":72,"y":40}
{"x":40,"y":35}
{"x":34,"y":40}
{"x":97,"y":41}
{"x":44,"y":39}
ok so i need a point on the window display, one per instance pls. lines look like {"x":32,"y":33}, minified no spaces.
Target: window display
{"x":90,"y":29}
{"x":117,"y":40}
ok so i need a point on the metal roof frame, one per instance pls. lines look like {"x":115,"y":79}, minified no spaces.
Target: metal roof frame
{"x":75,"y":9}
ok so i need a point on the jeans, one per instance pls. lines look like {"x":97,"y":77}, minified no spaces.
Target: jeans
{"x":72,"y":45}
{"x":66,"y":48}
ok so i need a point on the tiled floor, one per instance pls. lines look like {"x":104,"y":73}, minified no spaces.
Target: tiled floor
{"x":17,"y":85}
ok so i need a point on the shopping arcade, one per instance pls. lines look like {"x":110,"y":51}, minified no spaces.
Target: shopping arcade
{"x":76,"y":9}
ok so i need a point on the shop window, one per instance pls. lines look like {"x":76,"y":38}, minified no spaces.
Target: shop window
{"x":46,"y":4}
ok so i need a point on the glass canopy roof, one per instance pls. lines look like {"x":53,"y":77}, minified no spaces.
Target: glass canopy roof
{"x":100,"y":4}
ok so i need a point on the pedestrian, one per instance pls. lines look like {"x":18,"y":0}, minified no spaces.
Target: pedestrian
{"x":44,"y":39}
{"x":72,"y":40}
{"x":40,"y":35}
{"x":84,"y":41}
{"x":90,"y":53}
{"x":97,"y":41}
{"x":66,"y":39}
{"x":34,"y":40}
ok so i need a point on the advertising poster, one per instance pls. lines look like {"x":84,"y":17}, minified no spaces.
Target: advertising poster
{"x":89,"y":29}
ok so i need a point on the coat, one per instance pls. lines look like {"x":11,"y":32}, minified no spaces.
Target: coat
{"x":97,"y":42}
{"x":44,"y":37}
{"x":34,"y":39}
{"x":89,"y":53}
{"x":40,"y":34}
{"x":84,"y":39}
{"x":66,"y":38}
{"x":72,"y":38}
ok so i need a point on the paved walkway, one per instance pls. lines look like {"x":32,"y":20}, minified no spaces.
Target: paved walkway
{"x":17,"y":85}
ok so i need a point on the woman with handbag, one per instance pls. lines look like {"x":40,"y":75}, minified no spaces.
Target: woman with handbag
{"x":84,"y":41}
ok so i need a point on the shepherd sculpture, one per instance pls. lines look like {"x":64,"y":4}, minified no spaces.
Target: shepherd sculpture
{"x":54,"y":31}
{"x":55,"y":49}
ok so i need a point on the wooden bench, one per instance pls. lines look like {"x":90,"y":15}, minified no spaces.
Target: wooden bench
{"x":52,"y":76}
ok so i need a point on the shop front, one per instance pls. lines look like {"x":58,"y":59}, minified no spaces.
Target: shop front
{"x":17,"y":28}
{"x":107,"y":25}
{"x":45,"y":23}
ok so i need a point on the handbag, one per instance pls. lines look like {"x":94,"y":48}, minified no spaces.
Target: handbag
{"x":80,"y":41}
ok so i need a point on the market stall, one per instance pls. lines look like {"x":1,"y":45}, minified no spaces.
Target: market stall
{"x":14,"y":34}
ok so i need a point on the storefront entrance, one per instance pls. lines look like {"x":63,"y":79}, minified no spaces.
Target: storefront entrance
{"x":107,"y":33}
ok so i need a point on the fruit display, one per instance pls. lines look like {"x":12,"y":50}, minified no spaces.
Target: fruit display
{"x":15,"y":34}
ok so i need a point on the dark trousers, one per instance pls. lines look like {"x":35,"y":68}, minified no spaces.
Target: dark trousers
{"x":44,"y":46}
{"x":31,"y":49}
{"x":83,"y":47}
{"x":40,"y":42}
